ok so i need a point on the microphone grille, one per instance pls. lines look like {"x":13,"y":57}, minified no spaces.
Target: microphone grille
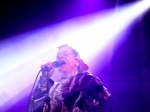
{"x":55,"y":64}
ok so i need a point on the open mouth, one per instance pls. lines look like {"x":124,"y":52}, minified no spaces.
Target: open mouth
{"x":62,"y":63}
{"x":58,"y":64}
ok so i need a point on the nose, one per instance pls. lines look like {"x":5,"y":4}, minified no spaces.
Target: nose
{"x":60,"y":56}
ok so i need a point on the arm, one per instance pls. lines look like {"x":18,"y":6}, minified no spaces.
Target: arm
{"x":91,"y":91}
{"x":95,"y":98}
{"x":40,"y":96}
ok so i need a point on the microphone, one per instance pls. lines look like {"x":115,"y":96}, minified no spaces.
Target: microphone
{"x":55,"y":64}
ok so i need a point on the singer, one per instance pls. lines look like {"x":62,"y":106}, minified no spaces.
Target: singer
{"x":78,"y":90}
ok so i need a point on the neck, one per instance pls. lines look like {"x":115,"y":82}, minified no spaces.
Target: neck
{"x":70,"y":73}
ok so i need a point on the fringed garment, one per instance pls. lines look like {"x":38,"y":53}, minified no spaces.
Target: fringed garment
{"x":80,"y":93}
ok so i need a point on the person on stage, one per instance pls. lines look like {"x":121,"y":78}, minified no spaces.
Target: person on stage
{"x":78,"y":90}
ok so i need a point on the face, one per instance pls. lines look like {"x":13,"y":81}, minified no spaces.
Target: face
{"x":66,"y":55}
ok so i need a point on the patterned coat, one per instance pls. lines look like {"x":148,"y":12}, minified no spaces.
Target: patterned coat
{"x":80,"y":93}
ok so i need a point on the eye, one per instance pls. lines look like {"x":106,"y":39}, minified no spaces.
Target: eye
{"x":66,"y":53}
{"x":57,"y":58}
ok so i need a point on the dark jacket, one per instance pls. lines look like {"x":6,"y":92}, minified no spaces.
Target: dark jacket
{"x":80,"y":93}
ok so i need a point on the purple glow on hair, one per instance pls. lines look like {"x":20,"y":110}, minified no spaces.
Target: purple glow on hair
{"x":91,"y":34}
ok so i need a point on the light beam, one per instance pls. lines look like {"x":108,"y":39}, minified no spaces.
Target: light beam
{"x":91,"y":34}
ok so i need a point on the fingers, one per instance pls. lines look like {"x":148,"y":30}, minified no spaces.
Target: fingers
{"x":76,"y":109}
{"x":50,"y":68}
{"x":49,"y":65}
{"x":92,"y":102}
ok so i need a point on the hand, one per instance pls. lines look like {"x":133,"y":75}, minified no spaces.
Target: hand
{"x":92,"y":104}
{"x":45,"y":107}
{"x":76,"y":109}
{"x":48,"y":73}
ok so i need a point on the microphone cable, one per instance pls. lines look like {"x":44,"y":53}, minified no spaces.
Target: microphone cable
{"x":30,"y":101}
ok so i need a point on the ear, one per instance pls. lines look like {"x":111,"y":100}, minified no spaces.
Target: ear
{"x":77,"y":62}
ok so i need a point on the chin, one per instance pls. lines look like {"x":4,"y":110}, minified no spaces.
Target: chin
{"x":62,"y":70}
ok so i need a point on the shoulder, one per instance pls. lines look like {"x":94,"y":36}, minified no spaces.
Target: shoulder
{"x":88,"y":79}
{"x":85,"y":73}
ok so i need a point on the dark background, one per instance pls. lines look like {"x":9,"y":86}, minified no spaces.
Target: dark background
{"x":18,"y":16}
{"x":128,"y":74}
